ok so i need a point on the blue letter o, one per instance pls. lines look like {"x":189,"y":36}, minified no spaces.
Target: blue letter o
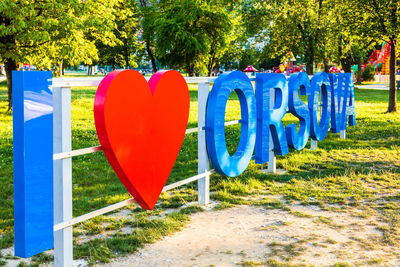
{"x":215,"y":123}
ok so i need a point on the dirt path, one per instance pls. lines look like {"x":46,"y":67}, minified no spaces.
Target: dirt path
{"x":249,"y":236}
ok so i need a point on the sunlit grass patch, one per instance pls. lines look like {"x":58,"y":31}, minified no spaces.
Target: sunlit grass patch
{"x":145,"y":230}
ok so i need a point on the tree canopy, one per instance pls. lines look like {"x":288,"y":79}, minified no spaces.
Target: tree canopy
{"x":52,"y":31}
{"x":191,"y":32}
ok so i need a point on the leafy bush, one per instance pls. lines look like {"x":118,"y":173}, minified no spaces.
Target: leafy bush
{"x":368,"y":73}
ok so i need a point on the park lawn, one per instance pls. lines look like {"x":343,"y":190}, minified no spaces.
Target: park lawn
{"x":361,"y":171}
{"x":373,"y":82}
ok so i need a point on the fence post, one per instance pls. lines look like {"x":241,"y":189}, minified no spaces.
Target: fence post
{"x":63,"y":249}
{"x":203,"y":184}
{"x":314,"y":144}
{"x":342,"y":134}
{"x":272,"y":158}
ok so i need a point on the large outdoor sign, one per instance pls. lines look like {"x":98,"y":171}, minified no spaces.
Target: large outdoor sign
{"x":141,"y":129}
{"x":141,"y":126}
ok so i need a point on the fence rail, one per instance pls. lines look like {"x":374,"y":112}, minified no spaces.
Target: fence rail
{"x":95,"y":81}
{"x":63,"y":153}
{"x":124,"y":203}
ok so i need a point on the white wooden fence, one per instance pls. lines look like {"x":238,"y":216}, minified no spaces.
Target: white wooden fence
{"x":63,"y":153}
{"x":63,"y":221}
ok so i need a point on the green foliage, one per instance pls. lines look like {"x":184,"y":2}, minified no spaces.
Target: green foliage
{"x":346,"y":42}
{"x":123,"y":52}
{"x":45,"y":32}
{"x":191,"y":32}
{"x":381,"y":21}
{"x":290,"y":30}
{"x":49,"y":32}
{"x":146,"y":231}
{"x":369,"y":73}
{"x":328,"y":33}
{"x":249,"y":56}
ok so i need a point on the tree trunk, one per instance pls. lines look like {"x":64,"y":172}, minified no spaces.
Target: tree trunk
{"x":60,"y":69}
{"x":346,"y":63}
{"x":325,"y":61}
{"x":392,"y":84}
{"x":126,"y":54}
{"x":143,"y":3}
{"x":211,"y":63}
{"x":10,"y":65}
{"x":309,"y":55}
{"x":359,"y":70}
{"x":346,"y":66}
{"x":190,"y":70}
{"x":151,"y":56}
{"x":345,"y":59}
{"x":310,"y":68}
{"x":114,"y":64}
{"x":209,"y":68}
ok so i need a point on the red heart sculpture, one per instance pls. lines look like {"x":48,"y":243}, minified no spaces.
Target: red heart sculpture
{"x":141,"y":127}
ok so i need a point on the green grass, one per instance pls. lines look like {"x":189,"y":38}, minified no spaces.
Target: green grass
{"x":361,"y":171}
{"x":373,"y":82}
{"x":145,"y":231}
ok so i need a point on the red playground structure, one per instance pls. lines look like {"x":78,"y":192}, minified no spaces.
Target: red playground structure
{"x":379,"y":59}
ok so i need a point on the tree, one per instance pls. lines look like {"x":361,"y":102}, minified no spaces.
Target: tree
{"x":73,"y":49}
{"x":249,"y":56}
{"x":267,"y":59}
{"x":50,"y":31}
{"x":123,"y":51}
{"x":237,"y":40}
{"x":300,"y":26}
{"x":148,"y":11}
{"x":26,"y":26}
{"x":346,"y":44}
{"x":219,"y":27}
{"x":382,"y":22}
{"x":189,"y":32}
